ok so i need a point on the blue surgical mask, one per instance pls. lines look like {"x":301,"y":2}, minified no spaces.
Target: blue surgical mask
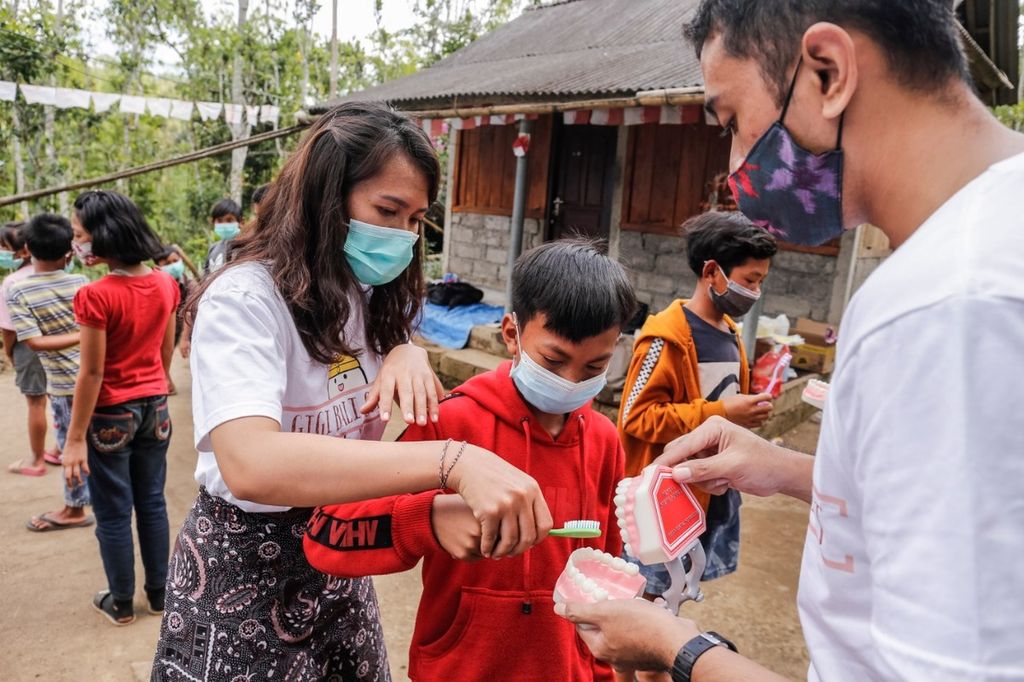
{"x":378,"y":255}
{"x":788,"y":190}
{"x":175,"y":269}
{"x":549,"y":392}
{"x":9,"y":262}
{"x":225,"y":231}
{"x":69,"y":266}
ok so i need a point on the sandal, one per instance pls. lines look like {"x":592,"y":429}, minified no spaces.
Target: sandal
{"x":117,"y":612}
{"x":20,"y":468}
{"x":156,"y":598}
{"x":54,"y":524}
{"x":52,"y":457}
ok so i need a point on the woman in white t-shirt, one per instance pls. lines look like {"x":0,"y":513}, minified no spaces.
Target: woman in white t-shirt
{"x":298,"y":346}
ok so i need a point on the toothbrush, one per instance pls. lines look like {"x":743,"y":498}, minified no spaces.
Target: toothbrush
{"x":578,"y":529}
{"x":780,"y":368}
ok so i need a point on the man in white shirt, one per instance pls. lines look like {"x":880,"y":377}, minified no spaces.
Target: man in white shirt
{"x":911,"y":564}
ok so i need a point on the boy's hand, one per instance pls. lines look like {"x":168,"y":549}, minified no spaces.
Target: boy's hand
{"x":456,"y":528}
{"x":406,"y":372}
{"x":185,"y":347}
{"x":748,"y":410}
{"x":76,"y":462}
{"x":506,"y":502}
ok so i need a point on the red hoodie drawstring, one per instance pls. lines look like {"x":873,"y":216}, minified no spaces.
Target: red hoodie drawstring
{"x":527,"y":607}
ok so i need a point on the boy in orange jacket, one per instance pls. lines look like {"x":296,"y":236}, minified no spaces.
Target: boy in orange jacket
{"x":495,"y":620}
{"x":689,"y":364}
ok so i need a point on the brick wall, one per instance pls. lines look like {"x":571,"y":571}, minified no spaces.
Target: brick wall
{"x":479,"y":247}
{"x":799,"y":285}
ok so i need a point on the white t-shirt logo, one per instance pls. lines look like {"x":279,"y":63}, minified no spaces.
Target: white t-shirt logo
{"x":826,"y":509}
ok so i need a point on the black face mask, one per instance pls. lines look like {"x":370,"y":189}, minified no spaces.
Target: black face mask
{"x":737,"y":299}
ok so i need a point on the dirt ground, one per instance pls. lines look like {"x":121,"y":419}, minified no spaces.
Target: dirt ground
{"x":50,"y":631}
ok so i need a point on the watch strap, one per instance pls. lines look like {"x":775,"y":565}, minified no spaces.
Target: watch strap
{"x":687,"y":657}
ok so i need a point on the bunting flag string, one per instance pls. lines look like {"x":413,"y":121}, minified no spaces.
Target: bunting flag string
{"x":628,"y":116}
{"x":101,"y":102}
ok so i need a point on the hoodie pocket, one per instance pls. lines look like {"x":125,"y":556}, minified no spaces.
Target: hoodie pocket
{"x":491,"y":639}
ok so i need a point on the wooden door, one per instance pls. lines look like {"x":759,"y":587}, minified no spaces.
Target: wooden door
{"x":581,"y":200}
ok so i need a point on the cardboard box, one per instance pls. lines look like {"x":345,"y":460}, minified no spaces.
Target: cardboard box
{"x":818,"y":354}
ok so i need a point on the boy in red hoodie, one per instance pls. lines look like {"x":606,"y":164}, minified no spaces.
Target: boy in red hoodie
{"x":494,"y":620}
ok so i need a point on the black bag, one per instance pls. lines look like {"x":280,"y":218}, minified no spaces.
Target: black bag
{"x":453,"y":294}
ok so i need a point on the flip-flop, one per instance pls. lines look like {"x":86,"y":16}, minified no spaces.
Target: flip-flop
{"x":52,"y":457}
{"x":53,"y":524}
{"x":19,"y":468}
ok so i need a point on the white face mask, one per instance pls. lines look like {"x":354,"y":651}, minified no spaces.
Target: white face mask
{"x":549,"y":392}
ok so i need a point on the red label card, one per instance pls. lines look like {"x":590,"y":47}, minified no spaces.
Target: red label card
{"x":680,"y":517}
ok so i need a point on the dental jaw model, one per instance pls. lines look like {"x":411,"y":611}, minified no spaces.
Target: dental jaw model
{"x":815,"y":393}
{"x":591,"y":576}
{"x":661,"y":522}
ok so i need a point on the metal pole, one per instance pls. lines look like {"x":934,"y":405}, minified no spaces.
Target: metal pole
{"x":515,"y":245}
{"x":750,"y":327}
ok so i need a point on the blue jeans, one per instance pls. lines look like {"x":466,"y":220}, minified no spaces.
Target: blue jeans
{"x":128,"y":460}
{"x":77,"y":495}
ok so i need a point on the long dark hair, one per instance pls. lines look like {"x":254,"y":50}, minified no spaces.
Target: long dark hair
{"x":118,"y":229}
{"x":302,"y":226}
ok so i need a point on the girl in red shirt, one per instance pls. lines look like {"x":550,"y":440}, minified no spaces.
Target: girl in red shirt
{"x":120,"y":426}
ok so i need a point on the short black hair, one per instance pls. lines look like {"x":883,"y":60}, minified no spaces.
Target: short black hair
{"x":225,"y":207}
{"x":12,"y":235}
{"x":919,"y":37}
{"x":48,"y":236}
{"x":726,"y":237}
{"x":117,"y":227}
{"x":582,"y":291}
{"x":258,"y":193}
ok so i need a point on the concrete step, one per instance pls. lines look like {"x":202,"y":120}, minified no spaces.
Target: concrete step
{"x":487,"y":337}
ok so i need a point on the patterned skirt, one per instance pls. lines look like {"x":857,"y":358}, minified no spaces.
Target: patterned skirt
{"x":243,"y":604}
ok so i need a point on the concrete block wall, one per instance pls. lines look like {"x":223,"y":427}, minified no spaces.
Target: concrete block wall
{"x":479,"y":247}
{"x":799,"y":285}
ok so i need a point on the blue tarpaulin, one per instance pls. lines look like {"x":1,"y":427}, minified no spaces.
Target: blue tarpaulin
{"x":450,"y":327}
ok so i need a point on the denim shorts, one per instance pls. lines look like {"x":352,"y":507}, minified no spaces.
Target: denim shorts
{"x":29,"y":374}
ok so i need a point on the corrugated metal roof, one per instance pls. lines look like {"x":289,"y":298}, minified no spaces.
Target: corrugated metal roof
{"x":563,"y":50}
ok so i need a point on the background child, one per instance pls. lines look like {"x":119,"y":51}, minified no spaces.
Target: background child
{"x":28,"y":371}
{"x":689,"y":363}
{"x":173,"y":261}
{"x":480,"y":621}
{"x":226,"y":218}
{"x":120,"y":425}
{"x":44,"y":318}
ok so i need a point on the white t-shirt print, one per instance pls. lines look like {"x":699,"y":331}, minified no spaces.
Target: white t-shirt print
{"x":248,"y":360}
{"x":912,"y":562}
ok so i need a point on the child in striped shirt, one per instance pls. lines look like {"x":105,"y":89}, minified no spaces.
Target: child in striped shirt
{"x":44,"y":320}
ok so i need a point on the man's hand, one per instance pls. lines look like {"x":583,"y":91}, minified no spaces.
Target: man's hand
{"x":630,"y":633}
{"x":748,"y":410}
{"x":456,"y":528}
{"x":719,"y":455}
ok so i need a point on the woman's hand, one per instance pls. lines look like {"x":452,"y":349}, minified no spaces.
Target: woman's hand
{"x":507,"y":503}
{"x":406,"y":373}
{"x":75,"y":459}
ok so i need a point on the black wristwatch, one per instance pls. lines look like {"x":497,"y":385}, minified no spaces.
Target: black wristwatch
{"x":694,"y":649}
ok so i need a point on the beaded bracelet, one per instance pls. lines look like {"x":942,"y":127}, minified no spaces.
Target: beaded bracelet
{"x":444,"y":477}
{"x":441,"y":480}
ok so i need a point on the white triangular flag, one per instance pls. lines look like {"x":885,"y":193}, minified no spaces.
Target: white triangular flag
{"x":181,"y":110}
{"x":159,"y":106}
{"x":102,"y":101}
{"x":233,"y":113}
{"x":269,"y":114}
{"x":8,"y":91}
{"x":209,"y":111}
{"x":71,"y":98}
{"x":38,"y":94}
{"x":252,"y":114}
{"x":132,"y":104}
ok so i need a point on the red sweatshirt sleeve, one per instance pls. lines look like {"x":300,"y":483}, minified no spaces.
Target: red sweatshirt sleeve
{"x":373,"y":537}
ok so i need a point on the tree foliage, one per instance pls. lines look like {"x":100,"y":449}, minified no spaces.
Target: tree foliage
{"x":285,"y":63}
